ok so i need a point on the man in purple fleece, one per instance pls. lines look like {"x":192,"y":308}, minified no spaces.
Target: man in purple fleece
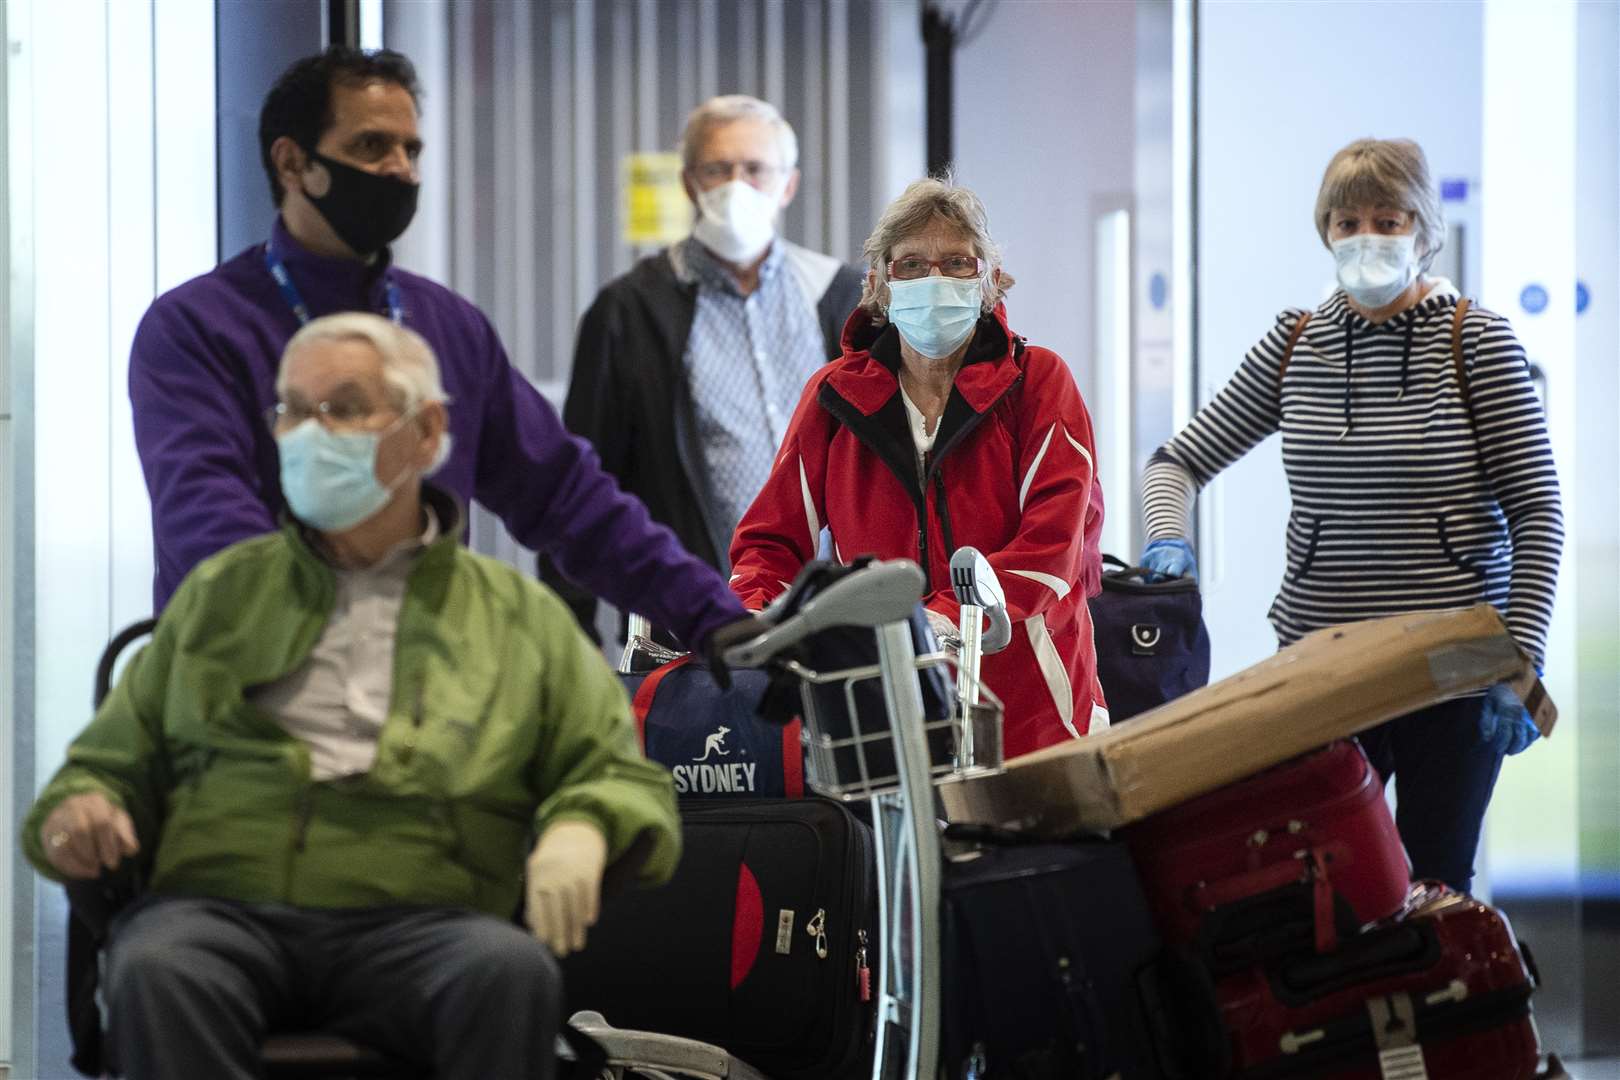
{"x":338,"y":136}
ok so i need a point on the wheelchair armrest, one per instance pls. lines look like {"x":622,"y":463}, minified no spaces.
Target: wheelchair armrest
{"x":95,"y":903}
{"x":620,"y":875}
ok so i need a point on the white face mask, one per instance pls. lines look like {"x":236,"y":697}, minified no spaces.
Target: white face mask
{"x":1374,"y":270}
{"x":736,"y":220}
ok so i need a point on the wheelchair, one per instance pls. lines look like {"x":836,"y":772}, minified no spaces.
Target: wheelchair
{"x":92,"y":905}
{"x":590,"y":1048}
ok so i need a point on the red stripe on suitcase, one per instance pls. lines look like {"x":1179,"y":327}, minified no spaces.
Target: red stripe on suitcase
{"x":793,"y":760}
{"x":747,"y":926}
{"x":641,"y":704}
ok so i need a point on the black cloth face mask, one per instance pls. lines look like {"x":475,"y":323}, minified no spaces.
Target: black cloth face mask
{"x":367,"y":211}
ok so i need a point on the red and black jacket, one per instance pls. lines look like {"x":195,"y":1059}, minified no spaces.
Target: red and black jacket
{"x":1012,"y":473}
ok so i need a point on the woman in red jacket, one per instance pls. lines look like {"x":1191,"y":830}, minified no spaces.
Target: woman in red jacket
{"x":938,"y":428}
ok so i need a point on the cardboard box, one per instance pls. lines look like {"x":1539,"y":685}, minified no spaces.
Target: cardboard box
{"x":1326,"y":686}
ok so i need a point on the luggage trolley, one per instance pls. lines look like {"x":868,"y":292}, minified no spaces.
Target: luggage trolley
{"x":892,"y":761}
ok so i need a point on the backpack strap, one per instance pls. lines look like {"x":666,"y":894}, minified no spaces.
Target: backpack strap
{"x":1457,"y":352}
{"x":1288,"y":350}
{"x":1456,"y":346}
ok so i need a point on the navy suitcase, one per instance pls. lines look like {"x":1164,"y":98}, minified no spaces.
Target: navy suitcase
{"x":1050,"y":965}
{"x":1152,"y":646}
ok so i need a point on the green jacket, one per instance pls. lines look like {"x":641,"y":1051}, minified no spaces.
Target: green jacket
{"x":504,"y":720}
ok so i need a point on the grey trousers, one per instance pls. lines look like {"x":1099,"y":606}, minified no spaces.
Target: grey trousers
{"x":193,"y":985}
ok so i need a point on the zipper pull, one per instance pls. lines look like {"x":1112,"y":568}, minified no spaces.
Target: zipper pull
{"x":409,"y":748}
{"x":863,"y":973}
{"x":817,"y":928}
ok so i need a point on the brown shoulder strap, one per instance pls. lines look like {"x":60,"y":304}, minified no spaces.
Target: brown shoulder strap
{"x":1288,"y":350}
{"x":1457,"y":350}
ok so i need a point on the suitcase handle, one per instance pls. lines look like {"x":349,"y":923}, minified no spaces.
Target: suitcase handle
{"x":980,"y":834}
{"x":1309,"y":866}
{"x":1120,"y":576}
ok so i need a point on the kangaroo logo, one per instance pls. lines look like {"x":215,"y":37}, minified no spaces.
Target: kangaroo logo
{"x":715,"y":744}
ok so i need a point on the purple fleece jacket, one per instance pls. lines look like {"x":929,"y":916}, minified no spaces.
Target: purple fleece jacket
{"x":210,"y":462}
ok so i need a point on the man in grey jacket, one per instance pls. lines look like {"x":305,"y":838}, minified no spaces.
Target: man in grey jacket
{"x":688,"y":367}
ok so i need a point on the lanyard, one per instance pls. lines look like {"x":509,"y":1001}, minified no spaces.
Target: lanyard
{"x":295,"y":299}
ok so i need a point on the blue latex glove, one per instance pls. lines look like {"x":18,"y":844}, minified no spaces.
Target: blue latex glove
{"x":1168,"y":559}
{"x":1504,"y":723}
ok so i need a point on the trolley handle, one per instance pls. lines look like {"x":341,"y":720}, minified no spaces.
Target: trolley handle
{"x":976,"y":585}
{"x":877,"y":594}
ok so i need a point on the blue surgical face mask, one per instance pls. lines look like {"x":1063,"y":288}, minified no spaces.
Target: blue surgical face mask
{"x":330,"y":477}
{"x":935,"y":314}
{"x":1374,"y":270}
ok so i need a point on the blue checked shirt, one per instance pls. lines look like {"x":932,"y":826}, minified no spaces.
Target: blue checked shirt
{"x":747,"y":360}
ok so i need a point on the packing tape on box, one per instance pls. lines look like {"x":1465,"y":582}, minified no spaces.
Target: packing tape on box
{"x":1457,"y":669}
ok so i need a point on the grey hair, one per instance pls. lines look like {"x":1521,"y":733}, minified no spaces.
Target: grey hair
{"x":728,"y":108}
{"x":410,"y":369}
{"x":409,"y":366}
{"x":1384,"y":172}
{"x":935,"y":198}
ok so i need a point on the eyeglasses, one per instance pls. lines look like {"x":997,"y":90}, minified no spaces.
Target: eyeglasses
{"x":332,"y":415}
{"x":912,"y":267}
{"x":718,"y":172}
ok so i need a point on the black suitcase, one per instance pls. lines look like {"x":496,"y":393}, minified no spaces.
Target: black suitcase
{"x":759,"y":944}
{"x":1050,"y":965}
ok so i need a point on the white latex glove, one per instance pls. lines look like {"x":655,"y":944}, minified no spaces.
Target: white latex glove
{"x":944,"y":628}
{"x":86,"y":834}
{"x":564,"y":884}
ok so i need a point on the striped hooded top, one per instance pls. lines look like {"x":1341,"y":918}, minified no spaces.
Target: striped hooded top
{"x":1409,"y":491}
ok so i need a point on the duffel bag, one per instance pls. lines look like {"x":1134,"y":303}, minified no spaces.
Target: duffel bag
{"x":712,"y":740}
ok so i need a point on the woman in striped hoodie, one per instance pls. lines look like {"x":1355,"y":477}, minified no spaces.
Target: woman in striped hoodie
{"x":1419,"y":472}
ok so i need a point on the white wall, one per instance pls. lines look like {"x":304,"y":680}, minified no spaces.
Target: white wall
{"x":1281,"y":88}
{"x":110,"y":151}
{"x":1162,"y":339}
{"x":1596,"y":528}
{"x":1044,"y":131}
{"x":8,"y":516}
{"x":1529,"y":161}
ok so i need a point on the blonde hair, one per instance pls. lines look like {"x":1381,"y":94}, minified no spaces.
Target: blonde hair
{"x":1384,"y":172}
{"x":935,"y":198}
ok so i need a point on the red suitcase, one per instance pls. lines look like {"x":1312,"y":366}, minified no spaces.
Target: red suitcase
{"x":1302,"y":853}
{"x":1440,"y":991}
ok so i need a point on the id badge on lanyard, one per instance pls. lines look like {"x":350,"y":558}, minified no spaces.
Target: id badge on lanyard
{"x":295,"y":299}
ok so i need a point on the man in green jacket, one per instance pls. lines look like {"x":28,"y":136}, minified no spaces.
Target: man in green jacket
{"x":331,"y":757}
